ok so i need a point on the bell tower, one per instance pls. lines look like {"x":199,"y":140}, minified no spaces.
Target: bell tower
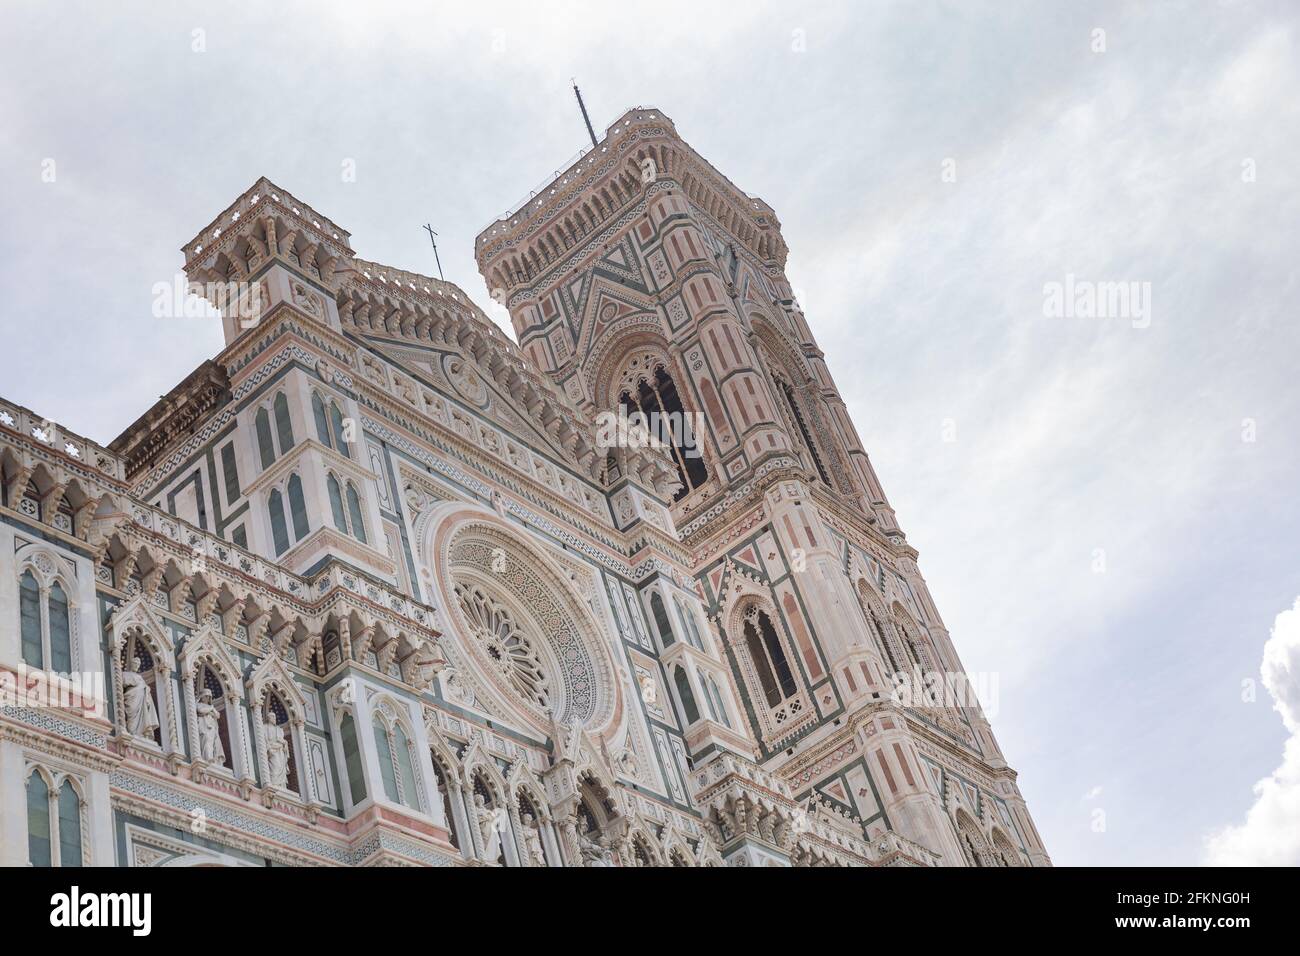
{"x":642,"y":280}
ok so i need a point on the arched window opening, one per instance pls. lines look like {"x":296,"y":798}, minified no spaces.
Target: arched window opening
{"x":718,"y":705}
{"x":802,"y":425}
{"x":387,"y":770}
{"x":688,"y":624}
{"x":283,"y":424}
{"x":336,"y":503}
{"x":769,"y":658}
{"x":689,"y":708}
{"x":352,"y":759}
{"x":322,"y":422}
{"x":69,"y":825}
{"x":29,"y":616}
{"x":279,"y":531}
{"x":354,"y":513}
{"x":441,"y":776}
{"x":297,"y":508}
{"x":660,"y":407}
{"x":406,"y":770}
{"x":39,"y":847}
{"x":340,"y":432}
{"x":662,"y":623}
{"x":265,"y":447}
{"x":60,"y":631}
{"x":709,"y":704}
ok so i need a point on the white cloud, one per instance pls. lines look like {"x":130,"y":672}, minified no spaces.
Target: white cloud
{"x":1271,"y":834}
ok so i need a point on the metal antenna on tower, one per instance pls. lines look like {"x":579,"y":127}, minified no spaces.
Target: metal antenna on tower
{"x":585,"y":118}
{"x":429,"y":229}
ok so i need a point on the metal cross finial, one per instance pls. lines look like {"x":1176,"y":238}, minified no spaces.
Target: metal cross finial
{"x":429,"y":229}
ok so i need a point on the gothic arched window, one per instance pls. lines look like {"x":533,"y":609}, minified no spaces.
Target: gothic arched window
{"x":322,"y":420}
{"x":716,"y":695}
{"x":297,"y":508}
{"x":265,"y":446}
{"x":660,"y":407}
{"x":768,"y":655}
{"x":340,"y":433}
{"x":797,"y":414}
{"x":279,"y":530}
{"x":54,"y":816}
{"x":39,"y":847}
{"x":29,"y":615}
{"x":441,"y":777}
{"x":689,"y":708}
{"x":336,"y":503}
{"x":352,"y":759}
{"x":60,"y":631}
{"x":283,"y":424}
{"x":69,"y":816}
{"x":662,"y":623}
{"x":354,"y":512}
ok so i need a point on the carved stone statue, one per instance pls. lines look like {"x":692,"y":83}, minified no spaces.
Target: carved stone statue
{"x":533,"y":841}
{"x":277,"y":753}
{"x":137,"y":697}
{"x":593,"y":853}
{"x":487,"y":828}
{"x":208,"y":720}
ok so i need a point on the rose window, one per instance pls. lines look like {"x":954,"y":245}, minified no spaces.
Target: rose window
{"x":506,"y":645}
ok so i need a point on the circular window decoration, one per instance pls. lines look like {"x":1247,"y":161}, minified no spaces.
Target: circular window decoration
{"x":533,"y":641}
{"x":505,"y":643}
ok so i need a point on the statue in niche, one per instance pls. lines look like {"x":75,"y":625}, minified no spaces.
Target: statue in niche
{"x":593,"y":853}
{"x":277,"y":752}
{"x":141,"y":714}
{"x":533,"y":841}
{"x":487,"y":827}
{"x":208,"y":721}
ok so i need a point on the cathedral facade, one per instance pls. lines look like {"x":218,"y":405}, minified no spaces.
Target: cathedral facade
{"x":379,"y":585}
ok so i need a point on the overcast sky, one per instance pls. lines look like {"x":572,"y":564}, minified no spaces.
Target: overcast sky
{"x":1104,"y":506}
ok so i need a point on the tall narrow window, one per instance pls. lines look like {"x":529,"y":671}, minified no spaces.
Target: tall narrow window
{"x":797,"y":415}
{"x":38,"y":821}
{"x":265,"y":447}
{"x":354,"y":513}
{"x":297,"y":508}
{"x":279,"y":532}
{"x":29,"y":615}
{"x":336,"y":503}
{"x":769,"y":657}
{"x":385,"y":757}
{"x":60,"y":631}
{"x":662,"y":623}
{"x":322,"y":423}
{"x":69,"y":825}
{"x":340,"y":433}
{"x":230,"y":472}
{"x":709,"y":705}
{"x":717,"y":701}
{"x":691,"y":711}
{"x":410,"y":792}
{"x":352,"y":759}
{"x":665,"y":418}
{"x":444,"y":790}
{"x":283,"y":426}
